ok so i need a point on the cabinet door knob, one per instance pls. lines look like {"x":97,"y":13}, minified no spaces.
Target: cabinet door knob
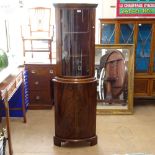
{"x":33,"y":71}
{"x":37,"y":97}
{"x":36,"y":82}
{"x":51,"y":71}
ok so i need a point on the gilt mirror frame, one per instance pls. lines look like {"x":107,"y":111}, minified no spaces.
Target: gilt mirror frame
{"x":118,"y":102}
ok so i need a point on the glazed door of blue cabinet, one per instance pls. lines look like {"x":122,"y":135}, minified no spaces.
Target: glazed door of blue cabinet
{"x":108,"y":34}
{"x":126,"y":33}
{"x":143,"y":48}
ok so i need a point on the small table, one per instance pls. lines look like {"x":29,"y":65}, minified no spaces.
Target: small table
{"x":7,"y":89}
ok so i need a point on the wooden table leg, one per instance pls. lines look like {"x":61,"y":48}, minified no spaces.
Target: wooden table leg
{"x":23,"y":100}
{"x":8,"y":124}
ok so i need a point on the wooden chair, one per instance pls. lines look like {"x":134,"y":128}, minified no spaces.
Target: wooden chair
{"x":40,"y":21}
{"x":40,"y":33}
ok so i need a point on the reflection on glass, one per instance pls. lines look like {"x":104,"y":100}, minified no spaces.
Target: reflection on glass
{"x":126,"y":33}
{"x":108,"y":34}
{"x":143,"y":47}
{"x":75,"y":42}
{"x":112,"y":75}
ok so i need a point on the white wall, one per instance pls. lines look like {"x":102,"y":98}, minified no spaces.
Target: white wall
{"x":109,"y":8}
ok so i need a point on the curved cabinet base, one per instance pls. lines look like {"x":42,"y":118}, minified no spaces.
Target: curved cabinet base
{"x":91,"y":141}
{"x":75,"y":111}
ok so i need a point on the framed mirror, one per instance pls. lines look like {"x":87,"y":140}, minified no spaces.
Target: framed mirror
{"x":114,"y":71}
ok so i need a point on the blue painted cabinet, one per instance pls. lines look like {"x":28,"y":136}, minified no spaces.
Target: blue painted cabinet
{"x":141,"y":33}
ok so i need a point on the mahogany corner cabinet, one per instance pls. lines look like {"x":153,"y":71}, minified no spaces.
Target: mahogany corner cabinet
{"x":75,"y":94}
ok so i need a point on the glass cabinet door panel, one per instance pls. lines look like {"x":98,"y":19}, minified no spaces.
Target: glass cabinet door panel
{"x":143,"y":47}
{"x":75,"y":42}
{"x":126,"y":33}
{"x":108,"y":34}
